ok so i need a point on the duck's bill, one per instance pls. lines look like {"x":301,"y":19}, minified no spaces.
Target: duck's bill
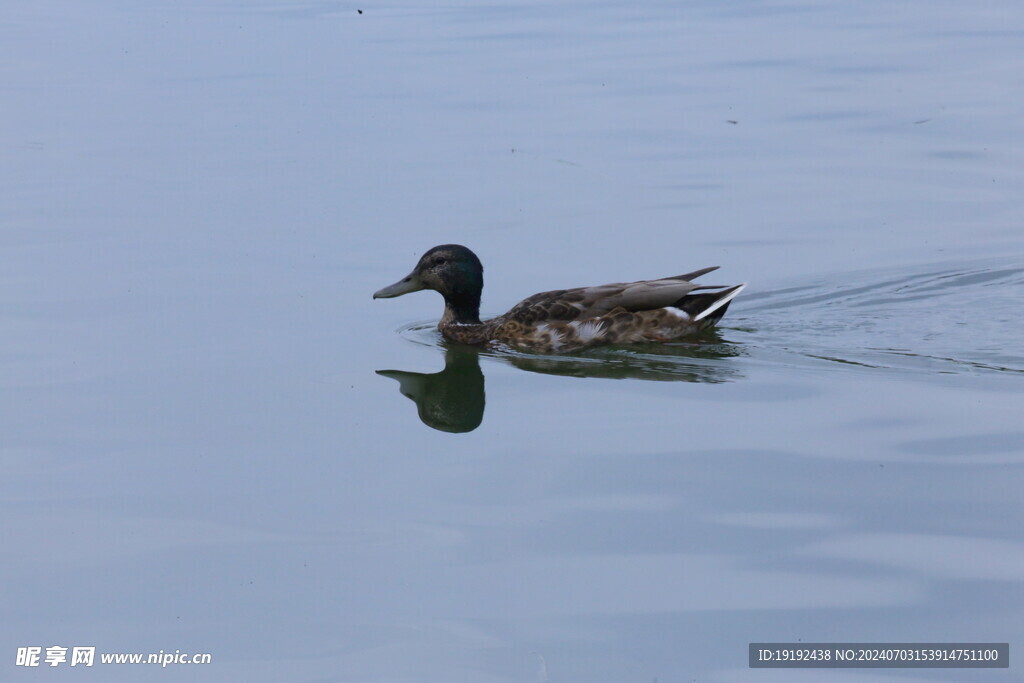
{"x":410,"y":283}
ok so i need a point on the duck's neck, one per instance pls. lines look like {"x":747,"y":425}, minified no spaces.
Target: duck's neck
{"x":461,"y":309}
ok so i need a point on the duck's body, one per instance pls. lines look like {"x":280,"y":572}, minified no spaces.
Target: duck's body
{"x":565,"y":319}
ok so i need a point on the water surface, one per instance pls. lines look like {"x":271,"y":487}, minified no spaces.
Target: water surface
{"x":205,"y":445}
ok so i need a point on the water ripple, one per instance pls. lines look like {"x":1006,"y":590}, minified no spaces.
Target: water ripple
{"x":946,"y":318}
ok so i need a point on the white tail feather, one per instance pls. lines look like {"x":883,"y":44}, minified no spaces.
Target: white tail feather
{"x":721,"y":302}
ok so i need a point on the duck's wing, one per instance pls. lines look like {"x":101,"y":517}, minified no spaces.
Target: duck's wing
{"x":564,"y":305}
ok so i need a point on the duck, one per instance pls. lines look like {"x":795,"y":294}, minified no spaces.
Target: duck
{"x":565,"y":320}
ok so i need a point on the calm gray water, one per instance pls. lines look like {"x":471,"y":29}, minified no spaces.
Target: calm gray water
{"x":203,"y":442}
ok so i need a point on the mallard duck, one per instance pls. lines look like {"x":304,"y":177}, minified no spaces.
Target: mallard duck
{"x":565,"y":319}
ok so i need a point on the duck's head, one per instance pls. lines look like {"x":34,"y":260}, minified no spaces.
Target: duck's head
{"x":451,"y":269}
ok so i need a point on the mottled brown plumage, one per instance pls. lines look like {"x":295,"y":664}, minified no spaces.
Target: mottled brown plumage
{"x":565,"y":319}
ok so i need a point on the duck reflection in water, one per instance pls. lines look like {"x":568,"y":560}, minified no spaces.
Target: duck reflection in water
{"x":452,"y":400}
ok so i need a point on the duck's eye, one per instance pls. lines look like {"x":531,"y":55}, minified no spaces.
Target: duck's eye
{"x":440,"y":261}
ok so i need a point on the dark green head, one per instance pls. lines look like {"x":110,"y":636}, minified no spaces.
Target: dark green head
{"x":451,"y":269}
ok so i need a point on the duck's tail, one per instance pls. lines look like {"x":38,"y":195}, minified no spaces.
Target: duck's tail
{"x":709,"y":305}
